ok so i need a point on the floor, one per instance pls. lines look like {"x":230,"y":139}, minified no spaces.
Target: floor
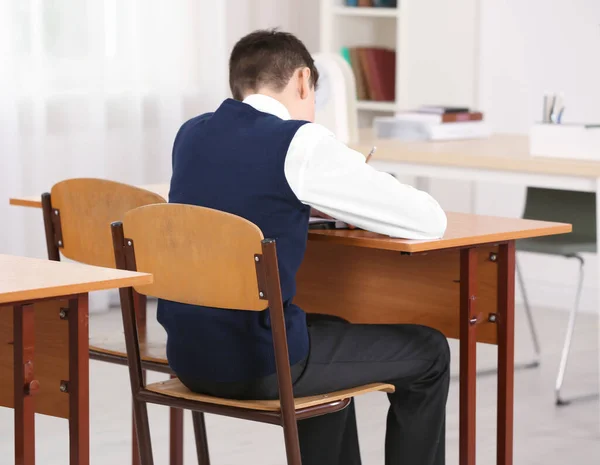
{"x":544,"y":434}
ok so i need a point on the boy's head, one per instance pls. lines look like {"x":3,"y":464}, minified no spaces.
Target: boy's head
{"x":276,"y":64}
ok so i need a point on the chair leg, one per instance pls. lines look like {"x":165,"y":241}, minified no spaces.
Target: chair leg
{"x":529,"y":314}
{"x":135,"y":450}
{"x":292,"y":443}
{"x":569,"y":336}
{"x":176,"y":436}
{"x":142,"y":427}
{"x":201,"y":439}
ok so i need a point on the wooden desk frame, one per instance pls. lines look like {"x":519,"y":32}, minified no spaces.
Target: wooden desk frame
{"x":476,"y":281}
{"x":76,"y":387}
{"x":505,"y":321}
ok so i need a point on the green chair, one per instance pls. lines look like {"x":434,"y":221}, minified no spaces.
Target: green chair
{"x":579,"y":209}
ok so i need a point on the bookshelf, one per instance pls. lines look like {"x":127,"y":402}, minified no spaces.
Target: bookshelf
{"x":351,"y":26}
{"x":436,"y":44}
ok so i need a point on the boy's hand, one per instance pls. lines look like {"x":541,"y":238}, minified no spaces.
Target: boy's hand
{"x":316,"y":213}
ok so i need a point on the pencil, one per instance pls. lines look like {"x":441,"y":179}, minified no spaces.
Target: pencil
{"x":371,"y":154}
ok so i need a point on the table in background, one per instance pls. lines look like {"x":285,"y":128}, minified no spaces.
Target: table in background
{"x":44,"y":319}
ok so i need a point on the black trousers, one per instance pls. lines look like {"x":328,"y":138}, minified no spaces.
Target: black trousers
{"x":415,"y":359}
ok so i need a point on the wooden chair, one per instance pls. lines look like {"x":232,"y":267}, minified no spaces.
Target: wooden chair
{"x":579,"y":209}
{"x":205,"y":257}
{"x":77,"y":218}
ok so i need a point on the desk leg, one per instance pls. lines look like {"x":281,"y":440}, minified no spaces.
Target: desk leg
{"x":79,"y":381}
{"x":139,"y":302}
{"x":468,"y":348}
{"x":506,"y":352}
{"x":24,"y":384}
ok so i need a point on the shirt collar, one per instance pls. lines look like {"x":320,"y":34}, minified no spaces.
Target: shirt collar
{"x":268,"y":104}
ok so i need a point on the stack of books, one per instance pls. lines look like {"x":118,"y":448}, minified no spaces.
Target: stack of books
{"x":374,"y":70}
{"x":433,"y":123}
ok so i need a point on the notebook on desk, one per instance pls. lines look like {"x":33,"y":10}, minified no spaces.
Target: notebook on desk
{"x":316,"y":222}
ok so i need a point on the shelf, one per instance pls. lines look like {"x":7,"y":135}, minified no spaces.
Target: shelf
{"x":363,"y":11}
{"x":376,"y":106}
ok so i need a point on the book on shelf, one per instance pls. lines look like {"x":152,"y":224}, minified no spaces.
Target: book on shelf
{"x":385,"y":3}
{"x":434,"y":118}
{"x":374,"y":70}
{"x":441,"y":110}
{"x":346,"y":55}
{"x":373,"y":3}
{"x":361,"y":86}
{"x":458,"y":131}
{"x":385,"y":64}
{"x":413,"y":130}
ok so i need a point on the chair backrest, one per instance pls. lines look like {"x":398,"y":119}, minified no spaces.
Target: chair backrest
{"x":203,"y":257}
{"x":577,"y":208}
{"x":81,"y":211}
{"x":336,"y":97}
{"x":197,"y":255}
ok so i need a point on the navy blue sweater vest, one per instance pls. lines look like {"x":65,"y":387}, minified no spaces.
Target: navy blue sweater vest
{"x":233,"y":160}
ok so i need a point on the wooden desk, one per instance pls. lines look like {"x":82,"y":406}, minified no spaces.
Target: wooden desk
{"x":462,"y":285}
{"x":49,"y":324}
{"x":504,"y":153}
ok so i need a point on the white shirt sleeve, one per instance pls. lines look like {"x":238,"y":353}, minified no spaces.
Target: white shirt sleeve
{"x":327,"y":175}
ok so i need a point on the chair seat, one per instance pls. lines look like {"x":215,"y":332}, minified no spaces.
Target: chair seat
{"x":174,"y":388}
{"x":565,"y":244}
{"x":152,"y":349}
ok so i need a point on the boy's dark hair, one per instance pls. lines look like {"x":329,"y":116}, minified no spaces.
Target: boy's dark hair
{"x":267,"y":58}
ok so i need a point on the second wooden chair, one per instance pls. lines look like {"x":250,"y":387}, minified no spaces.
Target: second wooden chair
{"x":77,"y":218}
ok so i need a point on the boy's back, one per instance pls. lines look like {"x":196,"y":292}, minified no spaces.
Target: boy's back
{"x":233,"y":160}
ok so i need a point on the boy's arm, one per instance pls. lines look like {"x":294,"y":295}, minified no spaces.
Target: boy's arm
{"x":334,"y":179}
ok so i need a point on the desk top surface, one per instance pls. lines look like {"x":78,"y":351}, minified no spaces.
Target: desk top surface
{"x":500,"y":152}
{"x":463,"y":229}
{"x":23,"y":279}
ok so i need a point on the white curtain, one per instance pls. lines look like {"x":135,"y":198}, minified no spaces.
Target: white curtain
{"x":98,"y":88}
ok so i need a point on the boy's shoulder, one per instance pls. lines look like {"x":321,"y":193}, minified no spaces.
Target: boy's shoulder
{"x":191,"y":123}
{"x":198,"y":119}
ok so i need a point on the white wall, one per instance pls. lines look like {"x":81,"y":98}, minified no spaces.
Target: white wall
{"x":295,"y":16}
{"x":529,"y":48}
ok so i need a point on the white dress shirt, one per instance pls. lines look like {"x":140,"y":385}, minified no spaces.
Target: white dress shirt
{"x":334,"y":179}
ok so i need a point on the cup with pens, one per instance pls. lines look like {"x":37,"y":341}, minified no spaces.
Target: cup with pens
{"x":554,"y":108}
